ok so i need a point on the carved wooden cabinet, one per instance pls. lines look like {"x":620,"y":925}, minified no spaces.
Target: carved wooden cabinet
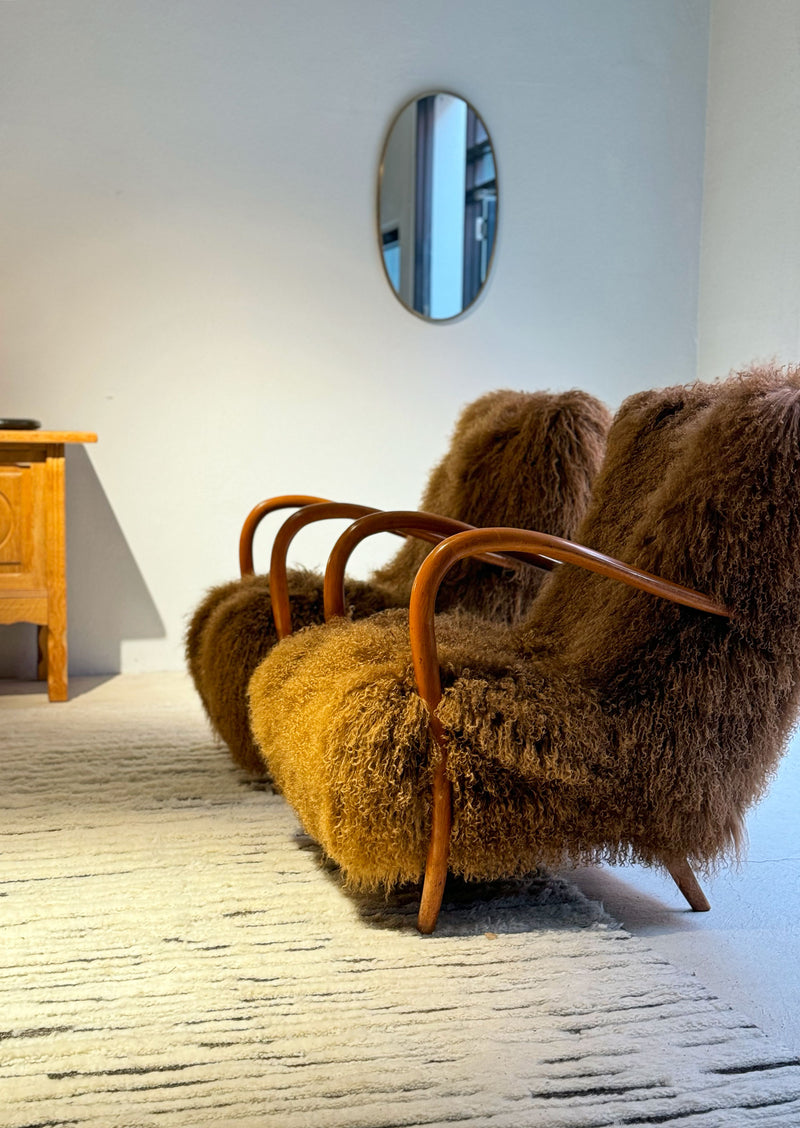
{"x":33,"y":579}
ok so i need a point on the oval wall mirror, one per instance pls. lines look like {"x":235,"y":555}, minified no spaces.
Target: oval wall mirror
{"x":437,"y":205}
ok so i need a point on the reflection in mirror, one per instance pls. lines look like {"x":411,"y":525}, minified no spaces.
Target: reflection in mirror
{"x":437,"y":205}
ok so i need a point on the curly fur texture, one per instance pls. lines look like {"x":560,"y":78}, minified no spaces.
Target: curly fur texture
{"x":238,"y":632}
{"x":609,"y":723}
{"x":517,"y":458}
{"x":521,"y":459}
{"x":337,"y":716}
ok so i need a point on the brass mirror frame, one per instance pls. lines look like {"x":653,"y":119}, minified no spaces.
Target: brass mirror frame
{"x":478,"y":297}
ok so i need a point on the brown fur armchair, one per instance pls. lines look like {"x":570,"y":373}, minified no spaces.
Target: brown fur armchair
{"x":613,"y":722}
{"x":519,"y":458}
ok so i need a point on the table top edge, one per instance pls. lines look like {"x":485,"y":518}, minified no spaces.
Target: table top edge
{"x":27,"y":438}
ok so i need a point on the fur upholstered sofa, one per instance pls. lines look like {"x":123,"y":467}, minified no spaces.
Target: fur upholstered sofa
{"x":519,"y":458}
{"x":607,"y":723}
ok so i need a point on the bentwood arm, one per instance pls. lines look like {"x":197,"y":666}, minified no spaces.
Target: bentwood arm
{"x":257,"y":515}
{"x":404,"y":523}
{"x":426,"y":526}
{"x":426,"y":669}
{"x":311,"y":509}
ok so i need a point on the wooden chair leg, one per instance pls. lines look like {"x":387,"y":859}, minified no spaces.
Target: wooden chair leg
{"x":681,"y":873}
{"x":438,"y":852}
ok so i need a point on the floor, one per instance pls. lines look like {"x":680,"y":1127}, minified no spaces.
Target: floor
{"x":746,"y":950}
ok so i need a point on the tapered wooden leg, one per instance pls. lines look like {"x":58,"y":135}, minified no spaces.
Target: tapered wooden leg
{"x":681,"y":873}
{"x":438,"y":852}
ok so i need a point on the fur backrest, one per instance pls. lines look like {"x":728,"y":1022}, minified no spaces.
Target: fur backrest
{"x":578,"y":613}
{"x":708,"y":497}
{"x":524,"y":459}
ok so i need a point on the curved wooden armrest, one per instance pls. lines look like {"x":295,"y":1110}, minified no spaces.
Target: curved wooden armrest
{"x":426,"y":662}
{"x":426,"y":526}
{"x":256,"y":516}
{"x":278,"y":579}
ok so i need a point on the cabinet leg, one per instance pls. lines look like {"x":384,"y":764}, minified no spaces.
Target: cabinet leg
{"x":41,"y":660}
{"x":56,"y":579}
{"x":57,"y":661}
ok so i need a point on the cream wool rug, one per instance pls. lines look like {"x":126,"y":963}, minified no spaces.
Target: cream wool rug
{"x":174,"y":952}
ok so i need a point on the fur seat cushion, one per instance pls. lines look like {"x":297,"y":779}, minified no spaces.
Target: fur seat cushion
{"x":335,"y":710}
{"x":608,"y":723}
{"x":518,"y":458}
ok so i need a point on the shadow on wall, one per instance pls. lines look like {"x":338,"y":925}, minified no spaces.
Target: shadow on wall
{"x":107,"y":597}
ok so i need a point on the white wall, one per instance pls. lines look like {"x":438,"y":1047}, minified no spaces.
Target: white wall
{"x":749,"y":306}
{"x":189,"y":262}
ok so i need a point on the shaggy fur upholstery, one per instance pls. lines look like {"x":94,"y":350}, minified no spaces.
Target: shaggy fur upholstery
{"x":521,"y":459}
{"x":517,"y":458}
{"x":610,"y":723}
{"x":239,"y":631}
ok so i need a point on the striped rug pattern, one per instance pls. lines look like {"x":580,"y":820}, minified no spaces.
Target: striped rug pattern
{"x":175,"y":952}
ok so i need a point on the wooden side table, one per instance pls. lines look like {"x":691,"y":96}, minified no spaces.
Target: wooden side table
{"x":33,"y":574}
